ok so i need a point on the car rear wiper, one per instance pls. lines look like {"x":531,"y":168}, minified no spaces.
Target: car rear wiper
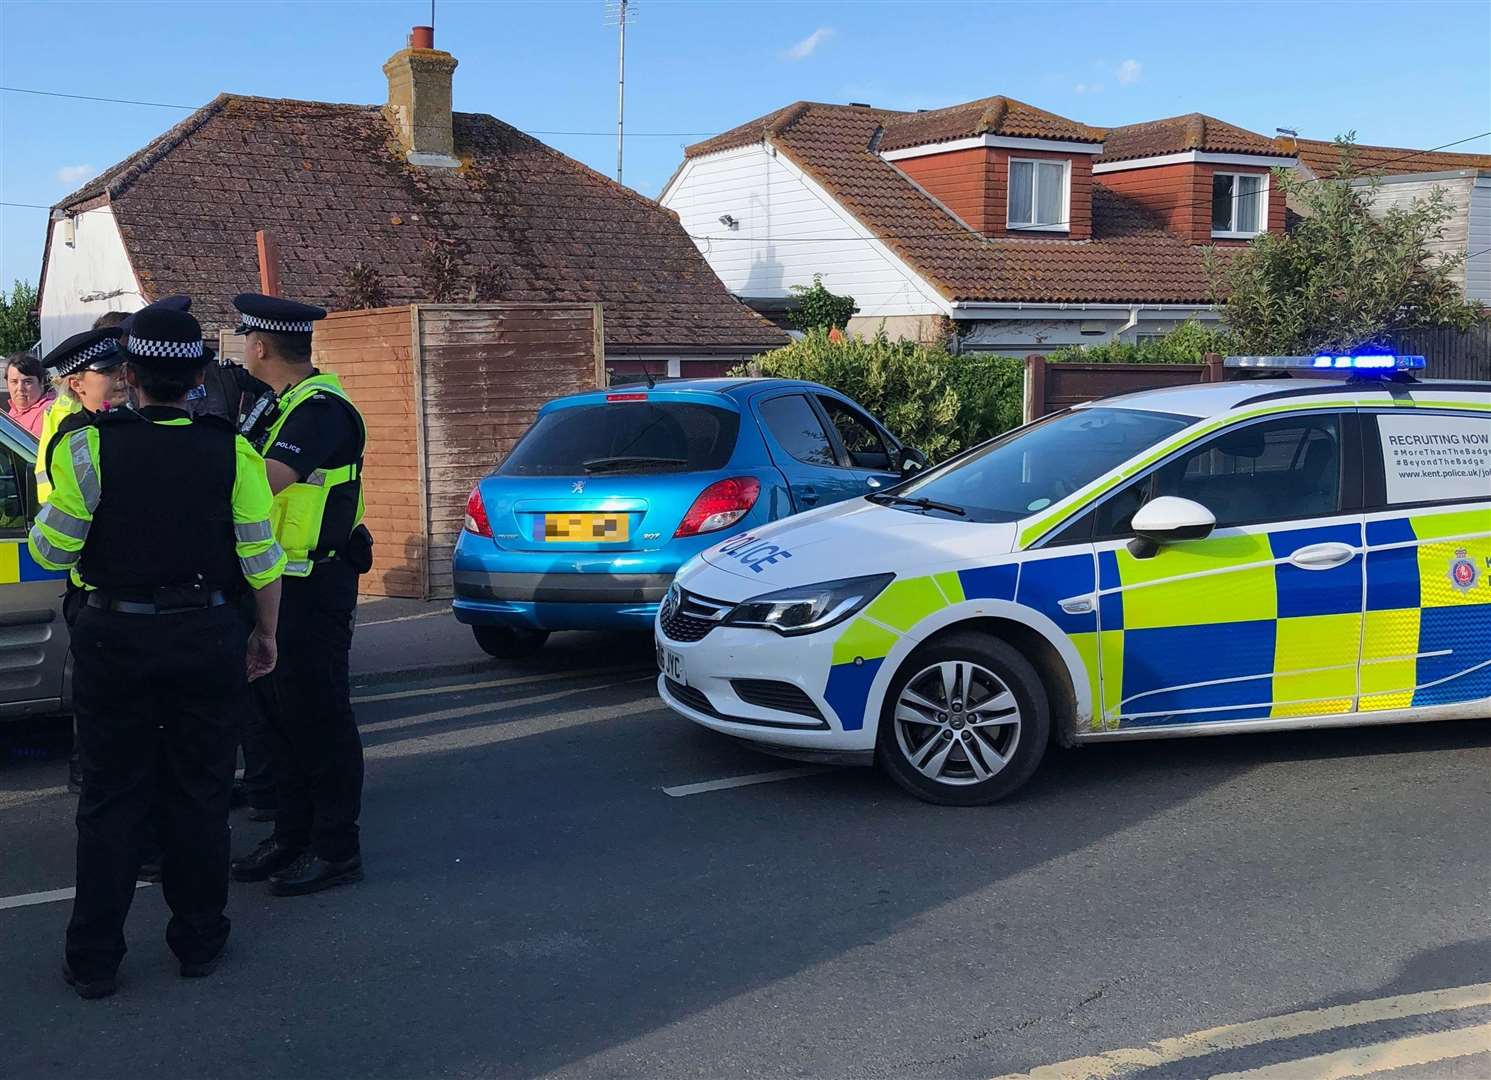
{"x":604,"y":464}
{"x":926,"y":504}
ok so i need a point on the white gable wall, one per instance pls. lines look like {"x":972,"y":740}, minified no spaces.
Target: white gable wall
{"x":1478,"y":265}
{"x":789,"y":229}
{"x":86,"y":277}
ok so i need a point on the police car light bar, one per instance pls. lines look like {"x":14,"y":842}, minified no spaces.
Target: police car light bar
{"x":1366,"y":362}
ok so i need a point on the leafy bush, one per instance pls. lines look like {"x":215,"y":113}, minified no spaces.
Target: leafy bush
{"x":930,"y":399}
{"x":1346,"y":274}
{"x":18,"y":327}
{"x":1186,"y":344}
{"x":819,"y":309}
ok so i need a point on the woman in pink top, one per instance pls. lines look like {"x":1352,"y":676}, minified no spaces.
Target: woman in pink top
{"x":25,"y":378}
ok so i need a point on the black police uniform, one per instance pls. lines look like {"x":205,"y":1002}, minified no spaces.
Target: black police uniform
{"x":225,"y":390}
{"x":159,"y":655}
{"x":306,"y":703}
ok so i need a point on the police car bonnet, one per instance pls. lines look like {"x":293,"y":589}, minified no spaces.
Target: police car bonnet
{"x":165,"y":338}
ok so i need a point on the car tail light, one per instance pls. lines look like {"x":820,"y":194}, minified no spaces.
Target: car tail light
{"x":720,"y":505}
{"x":476,"y":514}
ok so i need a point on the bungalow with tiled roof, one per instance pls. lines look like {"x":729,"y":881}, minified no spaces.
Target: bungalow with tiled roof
{"x":1026,"y":229}
{"x":1404,"y":175}
{"x":397,"y":203}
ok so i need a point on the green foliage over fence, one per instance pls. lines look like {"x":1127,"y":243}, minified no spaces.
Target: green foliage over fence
{"x":1186,"y":344}
{"x":18,"y":327}
{"x":930,"y":399}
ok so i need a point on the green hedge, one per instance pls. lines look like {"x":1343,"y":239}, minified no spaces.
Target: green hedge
{"x":930,"y":399}
{"x":1186,"y":344}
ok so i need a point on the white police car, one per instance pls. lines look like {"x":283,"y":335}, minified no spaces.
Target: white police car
{"x":1239,"y":556}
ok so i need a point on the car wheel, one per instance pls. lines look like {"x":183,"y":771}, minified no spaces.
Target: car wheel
{"x":507,"y":643}
{"x":966,"y":721}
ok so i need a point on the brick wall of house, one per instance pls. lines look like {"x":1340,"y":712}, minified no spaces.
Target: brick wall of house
{"x":974,"y":184}
{"x":1181,"y":195}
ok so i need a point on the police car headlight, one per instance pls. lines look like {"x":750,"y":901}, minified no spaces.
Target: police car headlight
{"x":807,"y":609}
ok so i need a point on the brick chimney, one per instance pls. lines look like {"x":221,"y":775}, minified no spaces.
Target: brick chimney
{"x":419,"y":78}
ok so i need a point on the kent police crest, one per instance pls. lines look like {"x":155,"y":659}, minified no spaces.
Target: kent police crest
{"x":1463,"y":573}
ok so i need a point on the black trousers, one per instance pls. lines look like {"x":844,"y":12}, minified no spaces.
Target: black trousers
{"x":156,"y":698}
{"x":311,"y":734}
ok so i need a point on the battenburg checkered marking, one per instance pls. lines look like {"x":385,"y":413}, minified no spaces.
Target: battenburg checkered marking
{"x":96,"y":349}
{"x":184,"y":350}
{"x":275,"y":326}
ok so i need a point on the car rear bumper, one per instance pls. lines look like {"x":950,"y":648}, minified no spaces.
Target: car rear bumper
{"x":530,"y":616}
{"x":619,"y":590}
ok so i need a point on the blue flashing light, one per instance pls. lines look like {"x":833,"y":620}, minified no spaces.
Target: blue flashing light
{"x":1365,"y":362}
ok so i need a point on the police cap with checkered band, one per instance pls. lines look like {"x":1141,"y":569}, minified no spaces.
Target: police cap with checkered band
{"x":275,"y":315}
{"x":165,"y":338}
{"x":95,"y":350}
{"x":176,"y":302}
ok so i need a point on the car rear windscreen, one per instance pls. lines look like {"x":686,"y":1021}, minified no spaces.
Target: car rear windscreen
{"x":625,"y":438}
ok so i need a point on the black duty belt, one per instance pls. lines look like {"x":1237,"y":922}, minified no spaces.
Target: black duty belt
{"x":157,"y":602}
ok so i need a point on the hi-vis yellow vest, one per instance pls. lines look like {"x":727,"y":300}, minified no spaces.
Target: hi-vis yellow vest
{"x":63,"y":406}
{"x":298,"y":510}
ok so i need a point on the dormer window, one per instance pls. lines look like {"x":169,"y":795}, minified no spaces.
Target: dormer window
{"x":1239,"y":205}
{"x":1039,"y":194}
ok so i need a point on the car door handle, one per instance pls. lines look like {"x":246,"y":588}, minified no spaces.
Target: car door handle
{"x":1322,"y":556}
{"x":809,"y":495}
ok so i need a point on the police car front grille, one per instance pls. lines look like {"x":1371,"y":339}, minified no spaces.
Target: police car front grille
{"x":693,"y":698}
{"x":770,"y":694}
{"x":692,"y":617}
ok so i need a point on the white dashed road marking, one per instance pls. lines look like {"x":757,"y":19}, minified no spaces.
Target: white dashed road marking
{"x":1256,"y":1032}
{"x":51,"y":897}
{"x":1410,"y":1052}
{"x":746,"y":781}
{"x":516,"y":680}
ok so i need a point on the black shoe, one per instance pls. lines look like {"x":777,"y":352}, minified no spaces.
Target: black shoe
{"x":262,"y":813}
{"x":310,"y":873}
{"x":269,"y":857}
{"x":150,"y":871}
{"x":89,"y":988}
{"x":200,"y":970}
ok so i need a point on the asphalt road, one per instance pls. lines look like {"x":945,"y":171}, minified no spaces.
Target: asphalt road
{"x":538,"y":903}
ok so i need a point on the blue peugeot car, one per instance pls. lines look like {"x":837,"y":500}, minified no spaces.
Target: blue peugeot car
{"x":584,"y":523}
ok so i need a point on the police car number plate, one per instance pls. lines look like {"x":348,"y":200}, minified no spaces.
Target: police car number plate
{"x":585,"y":528}
{"x":671,"y":665}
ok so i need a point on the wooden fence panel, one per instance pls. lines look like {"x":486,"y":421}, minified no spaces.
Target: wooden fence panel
{"x":1051,"y":387}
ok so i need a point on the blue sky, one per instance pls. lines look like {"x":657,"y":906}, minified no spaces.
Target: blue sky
{"x":1405,"y":74}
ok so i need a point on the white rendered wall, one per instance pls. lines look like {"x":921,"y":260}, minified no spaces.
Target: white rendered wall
{"x":85,"y":278}
{"x":788,"y":229}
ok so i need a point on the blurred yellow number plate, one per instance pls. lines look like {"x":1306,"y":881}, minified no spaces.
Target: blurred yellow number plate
{"x":586,"y":528}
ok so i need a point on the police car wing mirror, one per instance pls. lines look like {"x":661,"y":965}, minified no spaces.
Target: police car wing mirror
{"x":912,"y":461}
{"x":1166,"y":520}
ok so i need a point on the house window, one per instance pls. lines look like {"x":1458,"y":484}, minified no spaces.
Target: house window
{"x":1038,"y":194}
{"x":1239,"y":204}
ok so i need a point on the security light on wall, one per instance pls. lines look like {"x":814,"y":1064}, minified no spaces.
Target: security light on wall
{"x":729,"y":222}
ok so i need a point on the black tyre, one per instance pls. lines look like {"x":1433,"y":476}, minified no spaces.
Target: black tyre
{"x":506,"y":643}
{"x":966,"y":721}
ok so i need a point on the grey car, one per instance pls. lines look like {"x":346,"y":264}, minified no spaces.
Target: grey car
{"x":34,"y":667}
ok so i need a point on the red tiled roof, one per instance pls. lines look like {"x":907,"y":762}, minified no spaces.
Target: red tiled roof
{"x":988,"y":116}
{"x":520,"y":221}
{"x":1130,"y":259}
{"x":1177,"y":134}
{"x":1324,"y":159}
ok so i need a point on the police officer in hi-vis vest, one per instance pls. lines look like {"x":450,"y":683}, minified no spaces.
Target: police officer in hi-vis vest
{"x":313,"y":450}
{"x":162,"y":521}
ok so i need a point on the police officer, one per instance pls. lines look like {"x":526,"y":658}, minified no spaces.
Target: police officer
{"x":84,"y":370}
{"x":161,"y":519}
{"x":313,"y":451}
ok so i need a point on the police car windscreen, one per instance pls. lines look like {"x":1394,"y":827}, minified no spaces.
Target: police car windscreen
{"x":1026,"y":471}
{"x":625,"y":438}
